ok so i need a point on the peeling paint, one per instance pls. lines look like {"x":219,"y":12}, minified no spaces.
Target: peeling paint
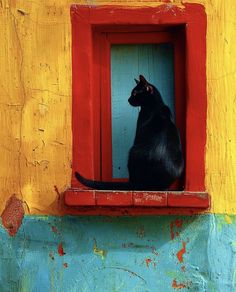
{"x":55,"y":230}
{"x":101,"y":252}
{"x":181,"y":252}
{"x":176,"y":285}
{"x":39,"y":78}
{"x":148,"y":261}
{"x":208,"y":264}
{"x":60,"y":250}
{"x":13,"y":215}
{"x":176,"y":224}
{"x":31,"y":75}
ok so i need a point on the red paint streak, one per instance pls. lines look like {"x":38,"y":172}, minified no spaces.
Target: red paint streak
{"x":61,"y":250}
{"x":178,"y":286}
{"x":181,"y":252}
{"x":148,"y":261}
{"x":65,"y":265}
{"x":13,"y":215}
{"x":54,"y":229}
{"x":179,"y":223}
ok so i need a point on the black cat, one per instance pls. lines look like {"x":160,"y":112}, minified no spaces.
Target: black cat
{"x":155,"y":159}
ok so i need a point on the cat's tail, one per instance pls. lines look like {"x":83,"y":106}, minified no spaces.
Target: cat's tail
{"x":103,"y":185}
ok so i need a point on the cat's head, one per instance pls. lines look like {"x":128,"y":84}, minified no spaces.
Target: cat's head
{"x":143,"y":93}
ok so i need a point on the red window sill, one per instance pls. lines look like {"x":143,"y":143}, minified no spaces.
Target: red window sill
{"x":97,"y":198}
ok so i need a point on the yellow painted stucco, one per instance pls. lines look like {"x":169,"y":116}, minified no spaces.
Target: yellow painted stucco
{"x":35,"y":101}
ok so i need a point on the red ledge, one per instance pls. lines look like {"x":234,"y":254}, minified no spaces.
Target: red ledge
{"x":81,"y":197}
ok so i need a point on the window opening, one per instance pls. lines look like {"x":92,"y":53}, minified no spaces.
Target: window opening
{"x":156,"y":63}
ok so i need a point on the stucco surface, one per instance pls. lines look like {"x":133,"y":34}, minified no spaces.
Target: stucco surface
{"x":162,"y":253}
{"x":35,"y":101}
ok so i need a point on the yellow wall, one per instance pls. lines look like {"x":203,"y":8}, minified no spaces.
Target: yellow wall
{"x":35,"y":101}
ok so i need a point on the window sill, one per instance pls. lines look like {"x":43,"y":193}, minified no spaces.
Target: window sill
{"x":76,"y":197}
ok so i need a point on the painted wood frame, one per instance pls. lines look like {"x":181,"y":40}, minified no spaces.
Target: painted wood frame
{"x":89,"y":25}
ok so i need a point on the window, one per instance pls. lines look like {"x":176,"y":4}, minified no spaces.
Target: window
{"x":173,"y":38}
{"x":130,"y":53}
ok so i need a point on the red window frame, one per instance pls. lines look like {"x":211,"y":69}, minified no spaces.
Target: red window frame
{"x":93,"y":30}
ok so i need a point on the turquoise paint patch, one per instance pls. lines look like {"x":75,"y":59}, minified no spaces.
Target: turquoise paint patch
{"x":222,"y":251}
{"x":141,"y":254}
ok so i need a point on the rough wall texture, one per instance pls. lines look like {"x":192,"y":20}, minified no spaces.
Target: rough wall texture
{"x":162,"y":253}
{"x":102,"y":254}
{"x":35,"y":105}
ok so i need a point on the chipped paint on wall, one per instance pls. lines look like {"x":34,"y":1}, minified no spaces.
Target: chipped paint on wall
{"x":100,"y":252}
{"x":194,"y":253}
{"x":60,"y":250}
{"x":181,"y":252}
{"x":176,"y":285}
{"x":175,"y":227}
{"x":35,"y":86}
{"x":37,"y":258}
{"x":13,"y":215}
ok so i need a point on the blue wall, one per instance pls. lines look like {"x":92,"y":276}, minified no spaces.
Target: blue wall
{"x":162,"y":253}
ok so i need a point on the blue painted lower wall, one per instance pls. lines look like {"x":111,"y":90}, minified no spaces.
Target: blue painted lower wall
{"x":161,"y":253}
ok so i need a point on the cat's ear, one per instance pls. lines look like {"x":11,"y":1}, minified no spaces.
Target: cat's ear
{"x":150,"y":89}
{"x":146,"y":84}
{"x":137,"y":82}
{"x":143,"y":80}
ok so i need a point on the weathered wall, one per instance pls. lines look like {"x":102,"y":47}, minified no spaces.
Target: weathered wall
{"x":119,"y":254}
{"x":35,"y":143}
{"x":35,"y":90}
